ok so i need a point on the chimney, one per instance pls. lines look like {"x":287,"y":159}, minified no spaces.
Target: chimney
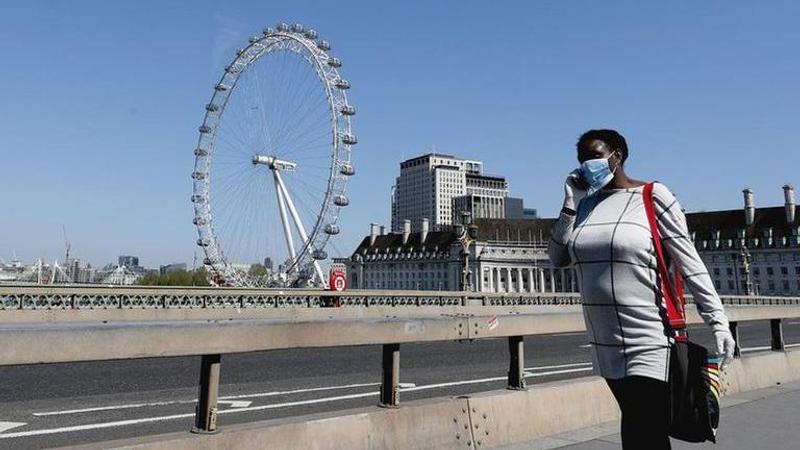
{"x":789,"y":203}
{"x":406,"y":230}
{"x":383,"y":230}
{"x":373,"y":233}
{"x":424,"y":235}
{"x":749,"y":207}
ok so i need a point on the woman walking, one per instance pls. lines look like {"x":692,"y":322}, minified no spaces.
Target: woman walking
{"x":603,"y":232}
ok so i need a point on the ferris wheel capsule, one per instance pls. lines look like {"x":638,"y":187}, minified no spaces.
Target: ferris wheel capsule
{"x":282,"y":27}
{"x":324,"y":45}
{"x":332,"y":228}
{"x":342,"y":84}
{"x":341,"y":200}
{"x":334,"y":62}
{"x":297,"y":28}
{"x":311,"y":34}
{"x":349,"y":139}
{"x":268,"y":31}
{"x":320,"y":254}
{"x":347,"y":170}
{"x":348,"y":110}
{"x":253,"y":39}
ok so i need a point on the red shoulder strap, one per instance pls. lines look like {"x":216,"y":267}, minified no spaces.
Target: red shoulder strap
{"x":673,"y":298}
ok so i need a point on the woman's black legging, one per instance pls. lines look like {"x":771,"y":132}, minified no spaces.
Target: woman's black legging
{"x":644,"y":403}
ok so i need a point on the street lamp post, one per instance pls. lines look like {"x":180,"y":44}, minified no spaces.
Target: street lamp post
{"x":466,"y":233}
{"x":746,"y":259}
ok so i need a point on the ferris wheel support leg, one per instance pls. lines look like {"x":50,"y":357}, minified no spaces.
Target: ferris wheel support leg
{"x":296,"y":217}
{"x":287,"y":232}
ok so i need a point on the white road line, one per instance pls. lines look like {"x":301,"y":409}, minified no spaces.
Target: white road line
{"x":792,"y":323}
{"x":791,"y":345}
{"x":298,"y":391}
{"x":221,"y":400}
{"x":236,"y":403}
{"x":756,"y":349}
{"x":5,"y":426}
{"x":119,"y":423}
{"x":559,"y":366}
{"x":112,"y":407}
{"x":585,"y":345}
{"x":95,"y":426}
{"x":488,"y":380}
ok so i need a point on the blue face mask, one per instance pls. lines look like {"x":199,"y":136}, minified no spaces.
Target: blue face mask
{"x":597,"y":173}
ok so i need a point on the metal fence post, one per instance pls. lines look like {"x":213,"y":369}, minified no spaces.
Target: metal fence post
{"x":390,"y":381}
{"x":777,"y":335}
{"x":737,"y":349}
{"x":205,"y":419}
{"x":516,"y":369}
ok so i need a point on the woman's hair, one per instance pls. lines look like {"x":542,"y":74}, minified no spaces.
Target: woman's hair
{"x":613,"y":139}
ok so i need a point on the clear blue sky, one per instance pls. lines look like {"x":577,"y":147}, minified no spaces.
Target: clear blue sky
{"x":102,"y":100}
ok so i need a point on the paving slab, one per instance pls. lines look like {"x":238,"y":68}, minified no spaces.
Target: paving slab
{"x":764,"y":419}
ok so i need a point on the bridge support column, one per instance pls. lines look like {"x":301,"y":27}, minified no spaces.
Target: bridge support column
{"x":205,"y":418}
{"x":737,"y":350}
{"x":516,"y":368}
{"x":390,"y":382}
{"x":777,"y":335}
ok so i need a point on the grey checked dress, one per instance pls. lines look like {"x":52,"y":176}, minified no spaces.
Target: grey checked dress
{"x":609,"y":244}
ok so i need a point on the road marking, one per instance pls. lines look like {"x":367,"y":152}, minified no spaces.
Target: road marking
{"x":559,"y":366}
{"x":225,"y":399}
{"x":112,"y":407}
{"x":119,"y":423}
{"x":236,"y":403}
{"x":95,"y":426}
{"x":792,"y":323}
{"x":488,"y":380}
{"x":298,"y":391}
{"x":5,"y":426}
{"x":756,"y":349}
{"x":585,"y":345}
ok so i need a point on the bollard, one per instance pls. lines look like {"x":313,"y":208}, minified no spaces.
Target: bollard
{"x":516,"y":369}
{"x":777,"y":335}
{"x":205,"y":419}
{"x":737,"y":350}
{"x":390,"y":382}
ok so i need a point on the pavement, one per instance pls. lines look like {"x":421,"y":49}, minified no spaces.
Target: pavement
{"x":765,"y":419}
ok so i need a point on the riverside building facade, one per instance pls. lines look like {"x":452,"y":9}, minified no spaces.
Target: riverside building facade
{"x":747,"y":251}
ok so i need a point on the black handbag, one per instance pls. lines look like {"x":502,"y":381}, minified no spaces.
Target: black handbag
{"x":693,"y":374}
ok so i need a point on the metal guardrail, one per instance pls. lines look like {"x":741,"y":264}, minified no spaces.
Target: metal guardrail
{"x":300,"y":320}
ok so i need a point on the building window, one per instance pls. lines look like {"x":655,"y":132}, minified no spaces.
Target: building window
{"x":771,"y":286}
{"x":784,"y":270}
{"x":716,"y":271}
{"x":730,"y":285}
{"x":785,"y":285}
{"x":729,"y":271}
{"x":770,"y":271}
{"x":757,"y":271}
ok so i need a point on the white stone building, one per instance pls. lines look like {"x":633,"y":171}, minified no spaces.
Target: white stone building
{"x":751,"y":250}
{"x":509,"y":256}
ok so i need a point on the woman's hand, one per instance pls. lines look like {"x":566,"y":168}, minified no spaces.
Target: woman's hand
{"x":725,"y":347}
{"x":574,"y":190}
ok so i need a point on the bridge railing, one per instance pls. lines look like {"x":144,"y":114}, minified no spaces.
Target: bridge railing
{"x":83,"y":335}
{"x":76,"y":297}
